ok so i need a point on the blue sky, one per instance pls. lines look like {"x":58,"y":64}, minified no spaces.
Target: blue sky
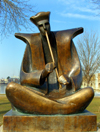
{"x":65,"y":14}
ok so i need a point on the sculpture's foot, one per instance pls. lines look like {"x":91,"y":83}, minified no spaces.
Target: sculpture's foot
{"x":27,"y":101}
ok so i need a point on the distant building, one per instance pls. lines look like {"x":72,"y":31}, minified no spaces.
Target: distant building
{"x":12,"y":79}
{"x":3,"y":81}
{"x":94,"y":83}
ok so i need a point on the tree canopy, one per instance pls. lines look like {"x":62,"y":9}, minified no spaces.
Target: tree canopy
{"x":8,"y":77}
{"x":14,"y":14}
{"x":96,"y":4}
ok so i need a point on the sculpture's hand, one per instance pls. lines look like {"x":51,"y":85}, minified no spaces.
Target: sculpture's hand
{"x":64,"y":80}
{"x":49,"y":67}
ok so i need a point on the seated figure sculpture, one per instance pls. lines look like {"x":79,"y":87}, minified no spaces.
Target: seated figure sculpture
{"x":50,"y":76}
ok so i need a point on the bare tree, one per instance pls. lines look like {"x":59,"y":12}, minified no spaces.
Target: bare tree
{"x":14,"y":14}
{"x":89,"y":53}
{"x":96,"y":3}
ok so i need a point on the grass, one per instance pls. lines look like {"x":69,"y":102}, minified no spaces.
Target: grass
{"x":94,"y":107}
{"x":5,"y":106}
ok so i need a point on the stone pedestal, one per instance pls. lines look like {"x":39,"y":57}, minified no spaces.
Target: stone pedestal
{"x":18,"y":122}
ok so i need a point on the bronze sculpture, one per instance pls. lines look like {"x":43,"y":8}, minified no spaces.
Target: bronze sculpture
{"x":50,"y":77}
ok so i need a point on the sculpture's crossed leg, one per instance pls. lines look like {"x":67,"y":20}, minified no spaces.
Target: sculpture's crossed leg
{"x":25,"y":100}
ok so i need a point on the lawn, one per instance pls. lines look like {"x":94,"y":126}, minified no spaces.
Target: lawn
{"x":5,"y":106}
{"x":94,"y":107}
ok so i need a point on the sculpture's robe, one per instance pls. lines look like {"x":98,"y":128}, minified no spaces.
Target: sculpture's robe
{"x":67,"y":60}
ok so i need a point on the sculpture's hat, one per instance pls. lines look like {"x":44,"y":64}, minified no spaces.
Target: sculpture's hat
{"x":40,"y":16}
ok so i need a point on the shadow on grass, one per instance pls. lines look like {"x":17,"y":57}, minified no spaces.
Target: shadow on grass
{"x":3,"y":112}
{"x":5,"y":103}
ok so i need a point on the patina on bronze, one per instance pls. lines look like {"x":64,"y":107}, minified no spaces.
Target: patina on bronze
{"x":50,"y":81}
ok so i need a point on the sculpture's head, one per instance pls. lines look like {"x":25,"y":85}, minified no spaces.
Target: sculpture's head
{"x":41,"y":20}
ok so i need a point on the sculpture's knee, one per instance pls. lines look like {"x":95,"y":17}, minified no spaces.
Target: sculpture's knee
{"x":89,"y":92}
{"x":10,"y":88}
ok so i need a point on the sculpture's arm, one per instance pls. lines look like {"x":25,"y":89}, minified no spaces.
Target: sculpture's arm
{"x":72,"y":79}
{"x":37,"y":77}
{"x":75,"y":73}
{"x":68,"y":62}
{"x":76,"y":80}
{"x":28,"y":75}
{"x":30,"y":79}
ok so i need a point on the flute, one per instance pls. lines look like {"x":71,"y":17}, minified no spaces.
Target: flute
{"x":52,"y":56}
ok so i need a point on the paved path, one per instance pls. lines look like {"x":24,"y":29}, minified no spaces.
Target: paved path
{"x":98,"y":130}
{"x":1,"y":128}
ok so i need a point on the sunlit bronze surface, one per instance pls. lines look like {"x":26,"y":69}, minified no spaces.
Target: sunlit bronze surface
{"x":39,"y":89}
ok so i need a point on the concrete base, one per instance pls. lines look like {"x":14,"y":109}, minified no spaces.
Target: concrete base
{"x":18,"y":122}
